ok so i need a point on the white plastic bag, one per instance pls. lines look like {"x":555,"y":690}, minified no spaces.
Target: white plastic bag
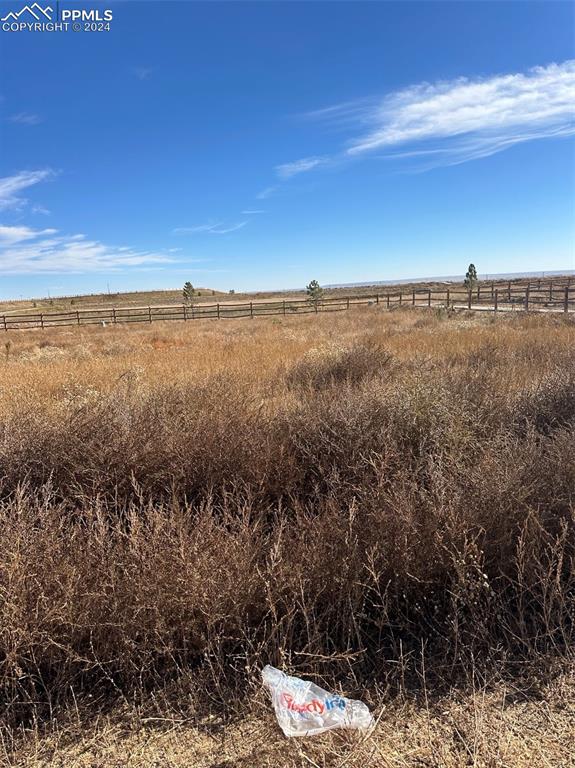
{"x":303,"y":708}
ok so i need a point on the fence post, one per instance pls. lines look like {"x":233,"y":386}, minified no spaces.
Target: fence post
{"x":492,"y":288}
{"x":447,"y":299}
{"x":114,"y":315}
{"x":413,"y":298}
{"x":150,"y":314}
{"x":527,"y":298}
{"x":509,"y":291}
{"x":495,"y":300}
{"x":41,"y":320}
{"x":347,"y":305}
{"x":565,"y":305}
{"x":400,"y":298}
{"x":185,"y":312}
{"x":315,"y":306}
{"x":284,"y":306}
{"x":5,"y":325}
{"x":377,"y":298}
{"x":428,"y":297}
{"x":469,"y":299}
{"x":551,"y":291}
{"x":78,"y":318}
{"x":251,"y":309}
{"x":388,"y":300}
{"x":218,"y":309}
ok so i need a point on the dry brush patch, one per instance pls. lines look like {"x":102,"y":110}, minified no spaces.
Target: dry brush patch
{"x":359,"y":499}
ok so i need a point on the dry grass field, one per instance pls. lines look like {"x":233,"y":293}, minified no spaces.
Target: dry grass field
{"x":384,"y":501}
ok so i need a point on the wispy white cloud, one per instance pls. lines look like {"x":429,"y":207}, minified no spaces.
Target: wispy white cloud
{"x":40,"y":209}
{"x":217,"y":228}
{"x":450,"y":122}
{"x":463,"y":149}
{"x":12,"y":186}
{"x":287,"y":170}
{"x":25,"y":118}
{"x":142,"y":73}
{"x":265,"y":193}
{"x":491,"y":113}
{"x":24,"y":250}
{"x":346,"y":113}
{"x":11,"y":235}
{"x":249,"y":213}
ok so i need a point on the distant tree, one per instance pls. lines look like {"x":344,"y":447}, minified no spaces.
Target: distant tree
{"x":232,"y":291}
{"x":314,"y":292}
{"x":470,"y":278}
{"x":188,"y":293}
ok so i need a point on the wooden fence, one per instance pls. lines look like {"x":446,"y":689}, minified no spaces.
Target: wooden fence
{"x":538,"y":296}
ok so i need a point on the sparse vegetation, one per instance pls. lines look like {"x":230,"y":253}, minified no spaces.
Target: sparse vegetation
{"x":382,"y":500}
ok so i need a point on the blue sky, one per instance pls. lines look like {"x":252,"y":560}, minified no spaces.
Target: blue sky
{"x":259,"y":145}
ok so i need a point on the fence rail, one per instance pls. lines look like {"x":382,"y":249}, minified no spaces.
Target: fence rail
{"x":537,"y":297}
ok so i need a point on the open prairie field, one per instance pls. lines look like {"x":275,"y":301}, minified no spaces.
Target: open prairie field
{"x":383,"y":501}
{"x":541,"y":288}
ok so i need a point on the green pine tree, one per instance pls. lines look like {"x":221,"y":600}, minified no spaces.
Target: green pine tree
{"x":314,"y":292}
{"x":470,"y":278}
{"x":188,"y":293}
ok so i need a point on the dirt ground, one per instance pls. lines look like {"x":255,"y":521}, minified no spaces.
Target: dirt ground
{"x":506,"y":726}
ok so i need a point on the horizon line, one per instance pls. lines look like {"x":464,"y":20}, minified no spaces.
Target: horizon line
{"x":482,"y":277}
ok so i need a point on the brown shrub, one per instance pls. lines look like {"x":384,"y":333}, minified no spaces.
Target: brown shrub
{"x":323,"y":368}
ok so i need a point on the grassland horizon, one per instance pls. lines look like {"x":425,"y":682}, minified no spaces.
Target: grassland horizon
{"x":207,"y":294}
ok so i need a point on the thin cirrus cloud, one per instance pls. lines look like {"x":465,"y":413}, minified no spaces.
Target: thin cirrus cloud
{"x":12,"y":186}
{"x":211,"y":228}
{"x":24,"y":250}
{"x":265,"y":193}
{"x":287,"y":170}
{"x":142,"y":73}
{"x":17,"y":234}
{"x":451,"y":122}
{"x":40,"y":209}
{"x":25,"y":118}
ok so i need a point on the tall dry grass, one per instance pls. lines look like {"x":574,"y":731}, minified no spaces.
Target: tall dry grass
{"x":357,"y":497}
